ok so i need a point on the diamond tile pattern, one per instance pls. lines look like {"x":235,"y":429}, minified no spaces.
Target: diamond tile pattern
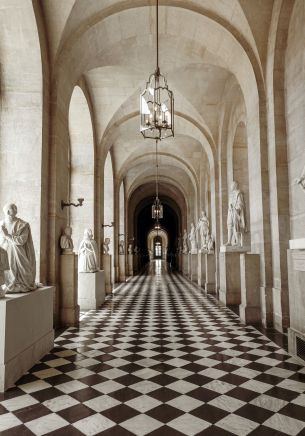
{"x":159,"y":358}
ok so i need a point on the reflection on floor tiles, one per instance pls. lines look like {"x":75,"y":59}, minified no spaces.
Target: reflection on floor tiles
{"x":159,"y":358}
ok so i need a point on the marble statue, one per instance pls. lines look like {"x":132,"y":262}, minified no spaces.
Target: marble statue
{"x":122,"y":247}
{"x":185,"y":242}
{"x":179,"y":244}
{"x":203,"y":227}
{"x":193,"y":239}
{"x":106,"y":247}
{"x":16,"y":240}
{"x":4,"y":266}
{"x":236,"y":221}
{"x":210,"y":244}
{"x":66,"y":243}
{"x":130,"y":249}
{"x":136,"y":250}
{"x":88,"y":253}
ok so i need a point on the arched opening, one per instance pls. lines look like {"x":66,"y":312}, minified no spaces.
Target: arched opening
{"x":157,"y":243}
{"x":81,"y":166}
{"x":109,"y":208}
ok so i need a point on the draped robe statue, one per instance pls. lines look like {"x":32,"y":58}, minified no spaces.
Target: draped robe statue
{"x":106,"y":247}
{"x":236,"y":221}
{"x":121,"y":247}
{"x":203,"y":227}
{"x":185,"y":242}
{"x":16,"y":240}
{"x":193,"y":239}
{"x":88,"y":253}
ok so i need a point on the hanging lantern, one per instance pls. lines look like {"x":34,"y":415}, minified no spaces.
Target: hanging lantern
{"x":157,"y":102}
{"x":157,"y":209}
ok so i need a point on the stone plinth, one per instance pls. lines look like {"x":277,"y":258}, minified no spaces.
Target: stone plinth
{"x":189,"y":265}
{"x":26,"y":332}
{"x":122,"y":274}
{"x":210,"y":271}
{"x":107,"y":265}
{"x":194,"y":268}
{"x":135,"y":263}
{"x":69,"y":308}
{"x":201,"y":269}
{"x":130,"y":264}
{"x":297,"y":244}
{"x":91,"y":290}
{"x":229,"y":271}
{"x":249,"y":309}
{"x":185,"y":264}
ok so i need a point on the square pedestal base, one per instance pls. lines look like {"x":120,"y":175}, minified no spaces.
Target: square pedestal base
{"x":122,"y":274}
{"x":249,"y":309}
{"x":210,"y":271}
{"x":130,"y":264}
{"x":26,"y":326}
{"x":107,"y":265}
{"x":194,"y":268}
{"x":201,"y":270}
{"x":91,"y":290}
{"x":184,"y":264}
{"x":69,"y":308}
{"x":229,"y":269}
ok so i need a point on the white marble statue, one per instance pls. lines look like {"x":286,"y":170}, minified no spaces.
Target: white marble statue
{"x":66,"y":243}
{"x":122,"y":247}
{"x":236,"y":221}
{"x":16,"y":240}
{"x":210,"y":244}
{"x":130,"y":249}
{"x":88,"y":253}
{"x":106,"y":247}
{"x":4,"y":266}
{"x":193,"y":239}
{"x":179,"y":244}
{"x":203,"y":227}
{"x":185,"y":242}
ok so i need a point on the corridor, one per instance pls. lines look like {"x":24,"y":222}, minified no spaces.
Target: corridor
{"x":159,"y":358}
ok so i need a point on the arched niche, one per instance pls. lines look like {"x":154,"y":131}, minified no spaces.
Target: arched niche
{"x":81,"y":165}
{"x":295,"y":116}
{"x":240,"y":171}
{"x":109,"y":205}
{"x":151,"y":239}
{"x":21,"y":121}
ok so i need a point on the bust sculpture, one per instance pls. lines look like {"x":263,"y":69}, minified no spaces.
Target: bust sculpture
{"x":130,"y":249}
{"x":16,"y":240}
{"x":185,"y":242}
{"x":203,"y":227}
{"x":106,"y":247}
{"x":66,"y":243}
{"x":122,"y":247}
{"x":193,"y":239}
{"x":236,"y":221}
{"x":88,"y":253}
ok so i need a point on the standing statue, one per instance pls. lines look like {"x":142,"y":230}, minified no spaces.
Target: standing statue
{"x":185,"y":242}
{"x":179,"y":244}
{"x":66,"y":243}
{"x":106,"y":247}
{"x":136,"y":250}
{"x":16,"y":240}
{"x":211,"y":244}
{"x":88,"y":253}
{"x":130,"y":249}
{"x":122,"y":247}
{"x":193,"y":239}
{"x":4,"y":266}
{"x":236,"y":221}
{"x":203,"y":227}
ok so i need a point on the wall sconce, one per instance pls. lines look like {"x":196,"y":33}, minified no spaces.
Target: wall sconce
{"x":108,"y":225}
{"x":80,"y":203}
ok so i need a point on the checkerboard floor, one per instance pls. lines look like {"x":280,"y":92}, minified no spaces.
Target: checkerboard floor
{"x":159,"y":358}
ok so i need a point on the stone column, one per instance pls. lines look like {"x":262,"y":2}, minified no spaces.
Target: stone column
{"x":229,"y":268}
{"x":249,"y":309}
{"x":108,"y":273}
{"x":194,"y":267}
{"x":210,"y":273}
{"x":69,"y":309}
{"x":122,"y":274}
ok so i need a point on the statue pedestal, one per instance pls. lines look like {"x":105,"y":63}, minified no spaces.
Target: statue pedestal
{"x":130,"y":264}
{"x":249,"y":309}
{"x":229,"y":271}
{"x":69,"y":310}
{"x":26,"y":326}
{"x":184,"y":264}
{"x":135,"y":263}
{"x":189,"y":265}
{"x":210,"y":271}
{"x":296,"y":279}
{"x":194,"y":268}
{"x":91,"y":290}
{"x":201,"y":269}
{"x":122,"y":274}
{"x":107,"y":265}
